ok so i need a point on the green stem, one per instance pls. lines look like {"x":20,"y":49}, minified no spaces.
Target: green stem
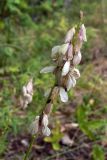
{"x":30,"y":147}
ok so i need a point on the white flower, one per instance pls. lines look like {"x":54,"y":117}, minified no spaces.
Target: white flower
{"x":69,"y":35}
{"x":27,"y":93}
{"x":82,"y":33}
{"x":77,"y":58}
{"x":76,"y":73}
{"x":46,"y":131}
{"x":48,"y":69}
{"x":63,"y":48}
{"x":63,"y":94}
{"x":55,"y":51}
{"x":74,"y":81}
{"x":34,"y":128}
{"x":45,"y":120}
{"x":24,"y":91}
{"x":28,"y":98}
{"x":71,"y":82}
{"x":29,"y":87}
{"x":66,"y":68}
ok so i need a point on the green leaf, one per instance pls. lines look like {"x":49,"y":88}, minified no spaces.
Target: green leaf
{"x":47,"y":139}
{"x":2,"y":25}
{"x":85,"y":128}
{"x":98,"y":153}
{"x":81,"y":116}
{"x":55,"y":137}
{"x":56,"y":146}
{"x":83,"y":122}
{"x":8,"y":51}
{"x":96,"y":124}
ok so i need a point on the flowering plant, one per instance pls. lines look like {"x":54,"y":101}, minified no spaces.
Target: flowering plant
{"x":65,"y":58}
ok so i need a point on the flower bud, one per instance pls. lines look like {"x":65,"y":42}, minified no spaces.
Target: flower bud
{"x":45,"y":120}
{"x":66,"y":68}
{"x":76,"y":73}
{"x":48,"y":69}
{"x":27,"y":93}
{"x":77,"y":58}
{"x":71,"y":82}
{"x":63,"y":48}
{"x":34,"y":128}
{"x":29,"y":87}
{"x":63,"y":94}
{"x":69,"y":35}
{"x":46,"y":131}
{"x":74,"y":81}
{"x":82,"y":33}
{"x":55,"y":51}
{"x":24,"y":91}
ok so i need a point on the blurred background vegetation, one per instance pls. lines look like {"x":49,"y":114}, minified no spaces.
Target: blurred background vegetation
{"x":28,"y":31}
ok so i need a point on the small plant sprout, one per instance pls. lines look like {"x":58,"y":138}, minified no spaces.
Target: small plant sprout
{"x":65,"y":59}
{"x":27,"y":93}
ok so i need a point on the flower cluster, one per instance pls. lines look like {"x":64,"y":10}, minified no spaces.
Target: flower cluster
{"x":66,"y":57}
{"x":40,"y":126}
{"x":27,"y":92}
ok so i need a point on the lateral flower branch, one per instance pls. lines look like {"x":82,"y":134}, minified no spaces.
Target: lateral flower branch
{"x":65,"y":58}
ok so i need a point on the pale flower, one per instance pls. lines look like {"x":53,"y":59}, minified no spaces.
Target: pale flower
{"x":66,"y":68}
{"x":81,"y":37}
{"x":82,"y":33}
{"x":71,"y":82}
{"x":63,"y":94}
{"x":46,"y":131}
{"x":69,"y":35}
{"x":48,"y":69}
{"x":27,"y":92}
{"x":29,"y":87}
{"x":45,"y":120}
{"x":73,"y":75}
{"x":63,"y":48}
{"x":77,"y":58}
{"x":34,"y":128}
{"x":76,"y":73}
{"x":55,"y":52}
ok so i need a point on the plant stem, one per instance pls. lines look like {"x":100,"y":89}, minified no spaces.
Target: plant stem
{"x":29,"y":148}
